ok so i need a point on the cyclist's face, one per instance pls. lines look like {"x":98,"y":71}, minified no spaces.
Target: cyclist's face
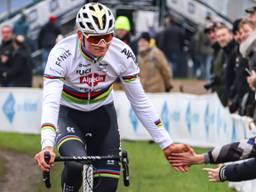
{"x":97,"y":50}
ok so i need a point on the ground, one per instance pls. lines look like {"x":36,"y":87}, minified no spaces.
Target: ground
{"x":20,"y":172}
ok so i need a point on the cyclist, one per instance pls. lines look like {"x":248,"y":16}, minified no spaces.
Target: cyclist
{"x":78,"y":99}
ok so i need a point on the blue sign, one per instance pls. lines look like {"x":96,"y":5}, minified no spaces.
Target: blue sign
{"x":8,"y":107}
{"x":175,"y":116}
{"x":188,"y":117}
{"x":165,"y":116}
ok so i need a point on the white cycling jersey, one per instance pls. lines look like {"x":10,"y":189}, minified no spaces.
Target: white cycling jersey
{"x":74,"y":78}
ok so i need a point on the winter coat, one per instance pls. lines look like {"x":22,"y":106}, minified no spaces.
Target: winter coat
{"x":230,"y":55}
{"x":48,"y":35}
{"x":155,"y":72}
{"x":219,"y":65}
{"x":19,"y":74}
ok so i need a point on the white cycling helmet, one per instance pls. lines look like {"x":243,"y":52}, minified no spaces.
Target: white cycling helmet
{"x":95,"y":18}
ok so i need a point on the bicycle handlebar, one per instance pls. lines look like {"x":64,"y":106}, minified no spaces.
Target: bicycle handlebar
{"x":89,"y":160}
{"x":46,"y":175}
{"x":86,"y":159}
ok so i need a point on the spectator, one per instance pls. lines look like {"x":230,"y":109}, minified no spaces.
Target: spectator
{"x":251,"y":14}
{"x":6,"y":51}
{"x":47,"y":37}
{"x":240,"y":86}
{"x":123,"y":32}
{"x":19,"y":73}
{"x":224,"y":37}
{"x":247,"y":49}
{"x":155,"y":74}
{"x":171,"y":42}
{"x":21,"y":26}
{"x":201,"y":54}
{"x":210,"y":30}
{"x":230,"y":52}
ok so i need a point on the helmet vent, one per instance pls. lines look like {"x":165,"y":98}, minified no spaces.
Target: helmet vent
{"x":96,"y":20}
{"x":109,"y":13}
{"x":83,"y":7}
{"x":110,"y":23}
{"x":100,"y":7}
{"x":89,"y":25}
{"x":82,"y":25}
{"x":85,"y":15}
{"x":92,"y":8}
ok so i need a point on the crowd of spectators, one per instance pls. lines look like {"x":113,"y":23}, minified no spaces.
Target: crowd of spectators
{"x":16,"y":64}
{"x":233,"y":63}
{"x":222,"y":55}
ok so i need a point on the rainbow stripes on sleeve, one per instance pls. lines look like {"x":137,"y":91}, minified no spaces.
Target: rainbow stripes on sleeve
{"x":130,"y":78}
{"x":48,"y":126}
{"x":52,"y":77}
{"x":158,"y":123}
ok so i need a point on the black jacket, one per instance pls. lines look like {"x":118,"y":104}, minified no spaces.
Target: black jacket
{"x":47,"y":36}
{"x":238,"y":171}
{"x":171,"y":40}
{"x":230,"y":54}
{"x":6,"y":49}
{"x":19,"y":74}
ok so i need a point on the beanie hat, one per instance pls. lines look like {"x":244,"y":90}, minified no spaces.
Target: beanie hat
{"x":145,"y":35}
{"x":122,"y":22}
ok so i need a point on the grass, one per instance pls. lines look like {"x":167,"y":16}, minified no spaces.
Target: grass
{"x":149,"y":171}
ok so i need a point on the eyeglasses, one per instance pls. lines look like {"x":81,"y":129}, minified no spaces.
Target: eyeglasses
{"x":97,"y":39}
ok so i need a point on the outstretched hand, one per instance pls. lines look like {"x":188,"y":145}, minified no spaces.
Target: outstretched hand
{"x":176,"y":149}
{"x":186,"y":158}
{"x":213,"y":174}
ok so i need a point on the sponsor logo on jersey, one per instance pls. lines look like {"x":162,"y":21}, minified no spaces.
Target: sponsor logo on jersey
{"x":102,"y":67}
{"x":63,"y":57}
{"x":128,"y":54}
{"x":92,"y":79}
{"x":83,"y":71}
{"x":84,"y":65}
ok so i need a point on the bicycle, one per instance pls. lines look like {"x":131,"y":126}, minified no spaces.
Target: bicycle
{"x":88,"y":168}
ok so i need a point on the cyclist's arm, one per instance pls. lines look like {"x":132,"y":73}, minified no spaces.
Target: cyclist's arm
{"x":232,"y":152}
{"x":53,"y":85}
{"x":142,"y":105}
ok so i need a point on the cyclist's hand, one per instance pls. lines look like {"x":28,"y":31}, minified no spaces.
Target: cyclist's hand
{"x":177,"y":148}
{"x":186,"y":158}
{"x":39,"y":158}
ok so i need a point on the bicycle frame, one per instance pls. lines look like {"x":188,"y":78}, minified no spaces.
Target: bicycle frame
{"x":88,"y":168}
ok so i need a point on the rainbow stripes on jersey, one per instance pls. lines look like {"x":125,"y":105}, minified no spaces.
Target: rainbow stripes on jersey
{"x":107,"y":173}
{"x":71,"y":95}
{"x":158,"y":123}
{"x":130,"y":78}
